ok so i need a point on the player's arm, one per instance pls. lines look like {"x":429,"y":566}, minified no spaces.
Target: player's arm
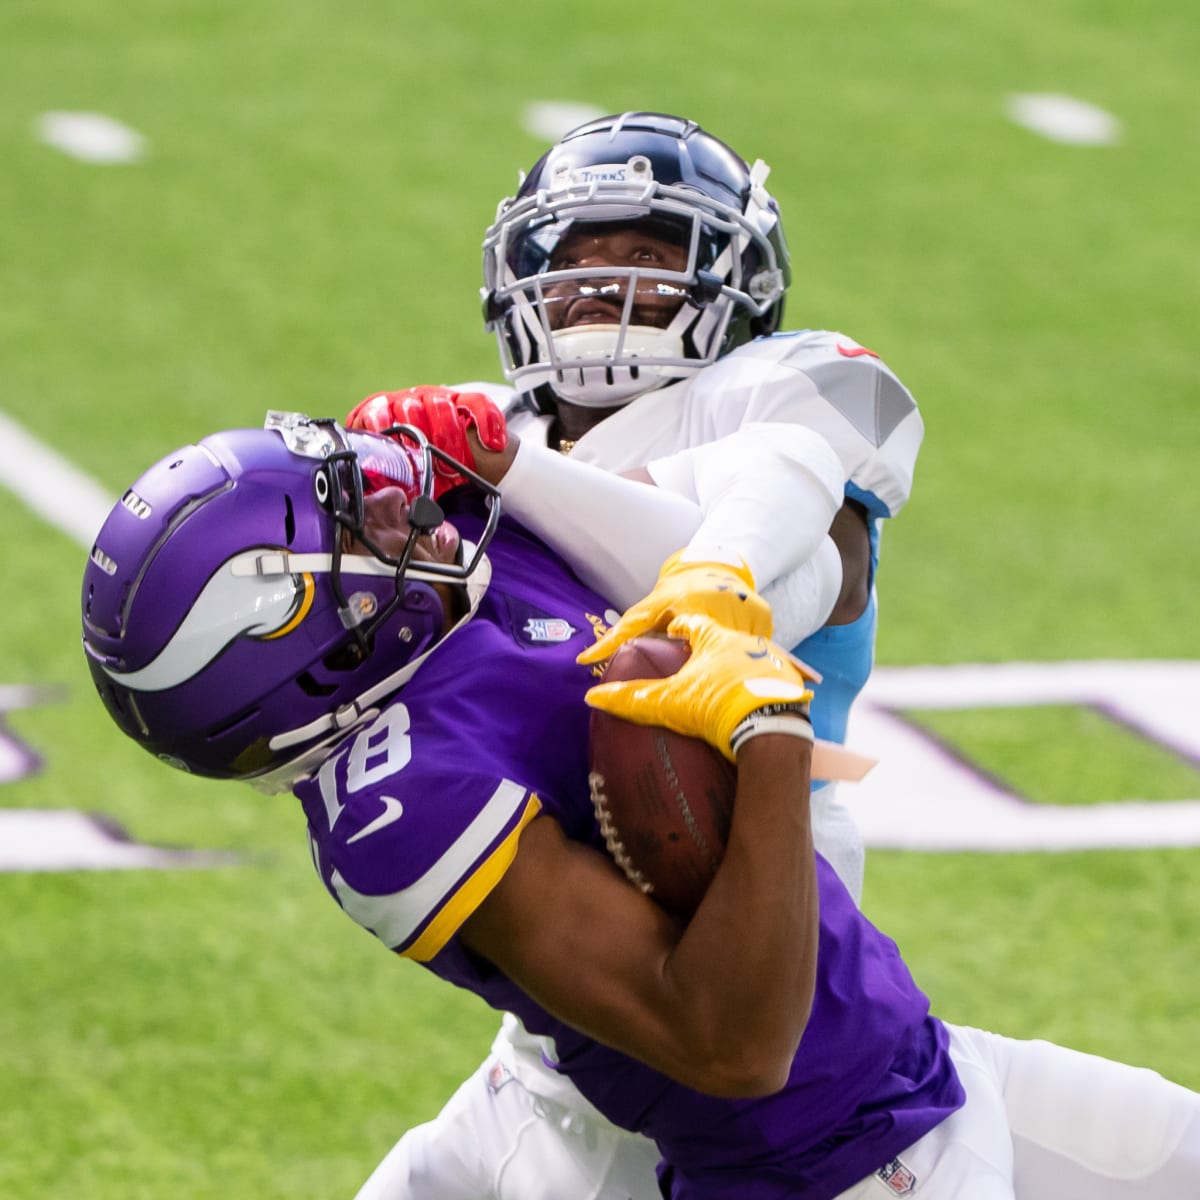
{"x":765,"y":498}
{"x":832,"y":588}
{"x":719,"y":1004}
{"x":850,"y":535}
{"x":722,"y":503}
{"x":612,"y":532}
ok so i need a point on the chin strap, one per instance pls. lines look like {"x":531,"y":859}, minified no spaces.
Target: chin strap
{"x":603,"y":366}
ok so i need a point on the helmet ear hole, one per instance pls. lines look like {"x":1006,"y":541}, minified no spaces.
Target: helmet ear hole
{"x":347,"y":658}
{"x":312,"y":687}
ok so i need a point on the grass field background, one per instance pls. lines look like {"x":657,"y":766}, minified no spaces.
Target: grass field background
{"x":305,"y":228}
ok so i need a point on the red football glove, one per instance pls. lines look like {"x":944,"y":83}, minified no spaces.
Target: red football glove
{"x":443,"y":416}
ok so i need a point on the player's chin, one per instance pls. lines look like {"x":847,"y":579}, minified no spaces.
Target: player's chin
{"x":589,"y":321}
{"x":441,"y":546}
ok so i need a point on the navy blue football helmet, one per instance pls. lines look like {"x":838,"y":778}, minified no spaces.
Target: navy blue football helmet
{"x":666,"y":177}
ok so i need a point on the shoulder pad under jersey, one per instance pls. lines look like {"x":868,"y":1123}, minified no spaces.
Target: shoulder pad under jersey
{"x":831,"y":383}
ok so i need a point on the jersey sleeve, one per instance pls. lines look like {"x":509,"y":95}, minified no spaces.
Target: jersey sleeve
{"x":768,"y":492}
{"x":613,"y":532}
{"x":410,"y":857}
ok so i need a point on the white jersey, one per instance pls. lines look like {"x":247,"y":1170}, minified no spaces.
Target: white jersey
{"x":817,"y":379}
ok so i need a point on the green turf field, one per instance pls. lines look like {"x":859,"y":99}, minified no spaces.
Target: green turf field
{"x":305,"y":228}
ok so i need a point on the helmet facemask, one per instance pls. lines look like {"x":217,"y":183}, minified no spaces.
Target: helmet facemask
{"x":727,"y":277}
{"x":354,"y":464}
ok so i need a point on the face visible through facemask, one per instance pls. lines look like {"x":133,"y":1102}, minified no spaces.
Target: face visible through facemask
{"x":601,"y":300}
{"x":386,"y":525}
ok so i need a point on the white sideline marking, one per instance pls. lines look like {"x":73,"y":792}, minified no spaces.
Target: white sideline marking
{"x":922,"y":796}
{"x":550,"y":119}
{"x":1064,"y":119}
{"x":50,"y":486}
{"x":67,"y":840}
{"x":90,"y":137}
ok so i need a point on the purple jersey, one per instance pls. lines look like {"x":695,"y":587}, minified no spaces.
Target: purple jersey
{"x":414,"y":819}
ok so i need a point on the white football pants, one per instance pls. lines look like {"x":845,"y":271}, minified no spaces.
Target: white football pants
{"x":504,"y":1143}
{"x":1040,"y":1123}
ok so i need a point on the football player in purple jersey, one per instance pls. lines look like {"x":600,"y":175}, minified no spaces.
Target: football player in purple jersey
{"x":636,"y":284}
{"x":291,"y":606}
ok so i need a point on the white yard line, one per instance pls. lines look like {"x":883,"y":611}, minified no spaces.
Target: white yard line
{"x":90,"y":137}
{"x":50,"y":485}
{"x":1064,"y":119}
{"x":550,"y":119}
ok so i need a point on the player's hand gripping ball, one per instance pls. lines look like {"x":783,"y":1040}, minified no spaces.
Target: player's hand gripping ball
{"x":719,"y":693}
{"x":722,"y":592}
{"x":443,"y":416}
{"x":664,"y":801}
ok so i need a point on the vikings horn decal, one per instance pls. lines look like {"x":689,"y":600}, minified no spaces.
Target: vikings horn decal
{"x":232,"y":605}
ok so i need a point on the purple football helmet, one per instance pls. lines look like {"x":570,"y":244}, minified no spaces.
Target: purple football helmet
{"x":637,"y":170}
{"x":228,"y":629}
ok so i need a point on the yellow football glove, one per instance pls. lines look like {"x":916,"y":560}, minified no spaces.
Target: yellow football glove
{"x":731,"y":684}
{"x":723,"y":593}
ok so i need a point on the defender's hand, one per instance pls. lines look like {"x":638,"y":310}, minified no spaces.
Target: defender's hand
{"x":443,"y":416}
{"x":721,"y":592}
{"x":729,"y":686}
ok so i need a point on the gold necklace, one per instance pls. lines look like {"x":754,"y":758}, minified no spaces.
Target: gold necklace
{"x":565,"y":447}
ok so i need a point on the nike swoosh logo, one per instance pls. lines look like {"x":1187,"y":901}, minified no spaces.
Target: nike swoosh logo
{"x":393,"y":810}
{"x":855,"y":351}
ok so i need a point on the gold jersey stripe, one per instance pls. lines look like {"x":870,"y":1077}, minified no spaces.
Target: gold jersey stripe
{"x":468,"y":897}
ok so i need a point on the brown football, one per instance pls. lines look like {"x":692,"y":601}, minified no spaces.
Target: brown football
{"x":663,"y":800}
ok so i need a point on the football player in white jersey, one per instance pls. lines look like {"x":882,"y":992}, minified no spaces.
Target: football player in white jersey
{"x":636,"y":284}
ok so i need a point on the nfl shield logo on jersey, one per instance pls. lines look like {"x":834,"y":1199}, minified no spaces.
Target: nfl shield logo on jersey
{"x":897,"y":1178}
{"x":548,"y":629}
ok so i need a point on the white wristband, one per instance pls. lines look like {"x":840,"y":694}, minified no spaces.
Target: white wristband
{"x":794,"y":724}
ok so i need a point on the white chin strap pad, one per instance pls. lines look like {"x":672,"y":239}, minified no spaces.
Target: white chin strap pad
{"x":584,"y":356}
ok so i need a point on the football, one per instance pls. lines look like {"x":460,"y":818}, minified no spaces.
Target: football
{"x":663,"y":800}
